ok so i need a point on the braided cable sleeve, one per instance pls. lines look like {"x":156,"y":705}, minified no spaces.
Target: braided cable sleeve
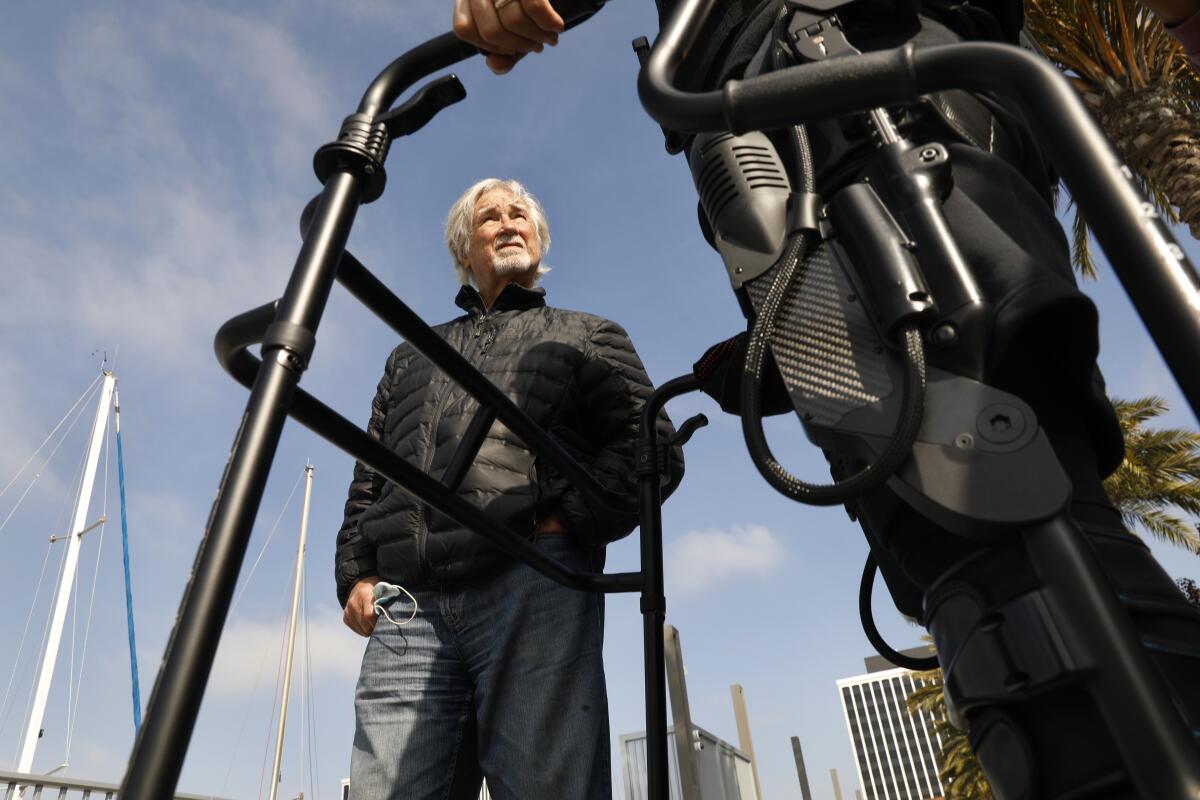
{"x":899,"y":446}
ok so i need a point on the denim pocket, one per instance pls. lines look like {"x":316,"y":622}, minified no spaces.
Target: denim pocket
{"x":562,"y":548}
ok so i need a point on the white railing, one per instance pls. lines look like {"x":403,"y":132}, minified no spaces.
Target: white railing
{"x":16,"y":785}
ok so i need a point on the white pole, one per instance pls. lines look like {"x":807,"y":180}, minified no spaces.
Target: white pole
{"x":59,"y":615}
{"x":291,"y":643}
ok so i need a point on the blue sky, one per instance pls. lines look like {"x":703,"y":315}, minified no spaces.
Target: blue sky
{"x":157,"y":156}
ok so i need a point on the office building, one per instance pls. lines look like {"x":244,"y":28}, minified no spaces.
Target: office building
{"x":894,"y":751}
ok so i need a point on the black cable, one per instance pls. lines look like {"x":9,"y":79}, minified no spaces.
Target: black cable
{"x":873,"y":635}
{"x":781,"y":59}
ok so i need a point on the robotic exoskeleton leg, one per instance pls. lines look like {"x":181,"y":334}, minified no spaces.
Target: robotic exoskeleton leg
{"x":1069,"y":655}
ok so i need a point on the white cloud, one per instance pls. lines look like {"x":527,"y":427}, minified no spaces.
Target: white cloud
{"x":698,"y":560}
{"x":163,"y":524}
{"x":262,"y":73}
{"x":93,"y":758}
{"x":413,"y":19}
{"x":250,"y":653}
{"x":183,"y":237}
{"x":22,"y":437}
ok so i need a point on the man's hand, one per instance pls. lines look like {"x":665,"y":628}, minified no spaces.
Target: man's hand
{"x":551,"y":525}
{"x":509,"y":32}
{"x":359,"y":614}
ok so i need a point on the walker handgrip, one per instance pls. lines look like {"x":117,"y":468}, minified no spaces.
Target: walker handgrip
{"x":574,"y":12}
{"x":423,"y":106}
{"x":821,"y":90}
{"x":686,"y":430}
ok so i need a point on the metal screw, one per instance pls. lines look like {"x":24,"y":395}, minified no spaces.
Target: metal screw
{"x":1000,"y":423}
{"x":964,"y":441}
{"x":369,"y":169}
{"x":738,"y":270}
{"x":824,"y":212}
{"x":929,"y":154}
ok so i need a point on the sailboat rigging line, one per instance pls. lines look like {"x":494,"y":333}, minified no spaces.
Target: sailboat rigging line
{"x":45,"y":464}
{"x":87,"y":631}
{"x":263,"y":550}
{"x":133,"y":665}
{"x":82,"y":397}
{"x":34,"y":600}
{"x":24,"y":633}
{"x":62,"y":562}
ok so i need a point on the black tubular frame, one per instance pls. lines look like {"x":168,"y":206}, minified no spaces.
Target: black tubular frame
{"x":1162,"y":284}
{"x":286,"y":328}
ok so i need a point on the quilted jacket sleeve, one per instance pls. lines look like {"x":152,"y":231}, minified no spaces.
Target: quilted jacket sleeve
{"x":613,"y":386}
{"x":354,"y":558}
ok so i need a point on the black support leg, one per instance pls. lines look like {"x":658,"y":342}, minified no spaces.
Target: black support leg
{"x":160,"y":748}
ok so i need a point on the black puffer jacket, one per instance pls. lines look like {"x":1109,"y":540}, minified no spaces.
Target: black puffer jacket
{"x":577,"y":375}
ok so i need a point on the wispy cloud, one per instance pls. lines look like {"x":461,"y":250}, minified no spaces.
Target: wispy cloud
{"x":413,"y":18}
{"x":179,"y":209}
{"x":21,"y":438}
{"x":250,"y":651}
{"x":164,"y":523}
{"x":700,"y":559}
{"x":264,"y":76}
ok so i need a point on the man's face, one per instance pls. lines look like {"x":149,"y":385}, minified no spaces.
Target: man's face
{"x":504,"y":241}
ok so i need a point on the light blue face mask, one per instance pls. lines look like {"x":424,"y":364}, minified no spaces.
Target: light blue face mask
{"x":387,"y":593}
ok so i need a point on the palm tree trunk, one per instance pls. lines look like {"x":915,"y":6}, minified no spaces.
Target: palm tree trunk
{"x":1158,"y":136}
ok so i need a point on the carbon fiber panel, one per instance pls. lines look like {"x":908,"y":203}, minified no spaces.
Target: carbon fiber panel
{"x":827,"y":350}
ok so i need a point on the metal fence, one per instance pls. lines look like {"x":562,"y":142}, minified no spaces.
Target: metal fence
{"x":20,"y":786}
{"x":723,"y":772}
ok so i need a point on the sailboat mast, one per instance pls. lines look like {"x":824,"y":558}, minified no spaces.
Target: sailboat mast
{"x":276,"y":777}
{"x":59,"y":614}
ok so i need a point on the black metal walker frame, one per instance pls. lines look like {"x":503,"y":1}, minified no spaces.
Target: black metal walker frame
{"x":1164,"y":288}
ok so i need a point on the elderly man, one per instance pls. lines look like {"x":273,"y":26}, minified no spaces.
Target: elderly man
{"x":491,"y":669}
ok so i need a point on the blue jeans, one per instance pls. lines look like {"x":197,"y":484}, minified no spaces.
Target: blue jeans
{"x":502,"y":680}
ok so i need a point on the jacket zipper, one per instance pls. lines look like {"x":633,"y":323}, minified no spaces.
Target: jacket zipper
{"x":431,"y":451}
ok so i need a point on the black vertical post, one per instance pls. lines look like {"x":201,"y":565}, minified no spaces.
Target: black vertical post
{"x":650,"y":470}
{"x":161,"y":745}
{"x":654,"y":615}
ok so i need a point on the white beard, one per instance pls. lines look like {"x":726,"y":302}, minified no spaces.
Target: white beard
{"x":513,"y":264}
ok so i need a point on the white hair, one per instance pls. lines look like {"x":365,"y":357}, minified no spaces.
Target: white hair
{"x":462,"y":214}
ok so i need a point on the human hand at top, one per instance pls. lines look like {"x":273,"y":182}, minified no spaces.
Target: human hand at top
{"x":507,"y":29}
